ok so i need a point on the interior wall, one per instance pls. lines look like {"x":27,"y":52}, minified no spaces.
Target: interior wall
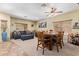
{"x":15,"y":21}
{"x":73,"y":15}
{"x":65,"y":26}
{"x":6,"y":17}
{"x":20,"y":27}
{"x":73,"y":22}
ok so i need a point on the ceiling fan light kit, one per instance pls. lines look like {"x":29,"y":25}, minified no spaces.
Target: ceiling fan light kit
{"x":50,"y":9}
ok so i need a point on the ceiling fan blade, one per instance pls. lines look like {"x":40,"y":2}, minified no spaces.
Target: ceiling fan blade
{"x":51,"y":14}
{"x":59,"y":12}
{"x":46,"y":12}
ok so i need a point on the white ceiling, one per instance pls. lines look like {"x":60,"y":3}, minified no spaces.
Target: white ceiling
{"x":33,"y":11}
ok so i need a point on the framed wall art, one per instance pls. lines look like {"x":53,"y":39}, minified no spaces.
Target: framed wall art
{"x":43,"y":25}
{"x":76,"y":25}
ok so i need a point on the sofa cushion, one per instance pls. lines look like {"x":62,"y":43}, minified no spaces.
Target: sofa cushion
{"x":25,"y":37}
{"x":23,"y":32}
{"x":28,"y":32}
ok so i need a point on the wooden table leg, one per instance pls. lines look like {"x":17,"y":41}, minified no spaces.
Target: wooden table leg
{"x":50,"y":44}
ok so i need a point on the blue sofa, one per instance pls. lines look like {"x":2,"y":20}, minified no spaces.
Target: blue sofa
{"x":23,"y":35}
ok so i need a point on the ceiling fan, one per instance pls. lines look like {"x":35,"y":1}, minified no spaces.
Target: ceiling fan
{"x":53,"y":11}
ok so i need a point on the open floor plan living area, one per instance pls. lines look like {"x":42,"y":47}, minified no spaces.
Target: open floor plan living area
{"x":39,"y":29}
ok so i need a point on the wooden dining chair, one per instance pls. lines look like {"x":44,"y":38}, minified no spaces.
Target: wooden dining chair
{"x":59,"y":41}
{"x":41,"y":42}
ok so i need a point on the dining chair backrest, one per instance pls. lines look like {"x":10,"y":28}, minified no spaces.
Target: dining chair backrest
{"x":43,"y":41}
{"x":40,"y":35}
{"x":59,"y":36}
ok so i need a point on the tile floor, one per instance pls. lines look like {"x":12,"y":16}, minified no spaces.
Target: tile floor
{"x":28,"y":48}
